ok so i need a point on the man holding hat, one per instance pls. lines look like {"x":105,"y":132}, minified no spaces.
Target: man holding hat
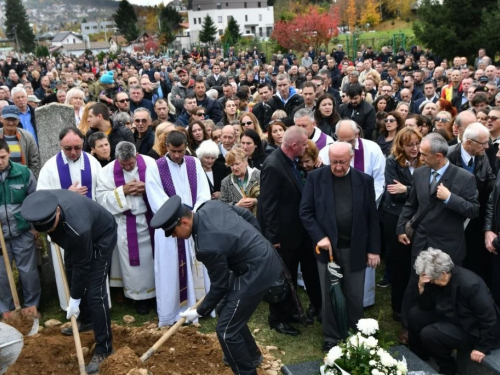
{"x":241,"y":264}
{"x":88,"y":232}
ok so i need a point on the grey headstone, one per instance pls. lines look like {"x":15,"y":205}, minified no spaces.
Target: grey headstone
{"x":50,"y":120}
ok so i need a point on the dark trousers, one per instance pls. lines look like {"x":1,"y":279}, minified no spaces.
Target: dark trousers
{"x":495,"y":278}
{"x":430,"y":335}
{"x":400,"y":260}
{"x":304,"y":254}
{"x":477,"y":258}
{"x":94,"y":305}
{"x":353,"y":284}
{"x":236,"y":341}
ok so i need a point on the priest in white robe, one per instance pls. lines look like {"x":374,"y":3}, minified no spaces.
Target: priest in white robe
{"x":72,"y":169}
{"x":180,"y":279}
{"x":121,"y":190}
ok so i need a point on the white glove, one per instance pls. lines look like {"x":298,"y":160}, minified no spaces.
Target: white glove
{"x":73,"y":308}
{"x":190,"y":315}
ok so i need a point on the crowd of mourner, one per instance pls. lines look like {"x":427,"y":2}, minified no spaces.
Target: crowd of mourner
{"x":388,"y":155}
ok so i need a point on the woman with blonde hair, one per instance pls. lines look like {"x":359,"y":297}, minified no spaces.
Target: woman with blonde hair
{"x":74,"y":98}
{"x":84,"y":125}
{"x":242,"y":186}
{"x":279,"y":114}
{"x":159,"y":147}
{"x":249,"y":121}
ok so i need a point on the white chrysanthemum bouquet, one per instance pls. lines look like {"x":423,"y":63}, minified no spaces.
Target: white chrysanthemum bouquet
{"x":362,"y":354}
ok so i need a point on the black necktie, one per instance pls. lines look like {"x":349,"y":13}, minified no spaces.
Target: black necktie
{"x":471,"y":162}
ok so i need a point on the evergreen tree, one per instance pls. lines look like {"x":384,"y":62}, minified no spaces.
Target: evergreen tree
{"x":455,"y":27}
{"x":208,"y":30}
{"x":126,"y":21}
{"x":232,"y":33}
{"x":17,"y":26}
{"x":170,"y":19}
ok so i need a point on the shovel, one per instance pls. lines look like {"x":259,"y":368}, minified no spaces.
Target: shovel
{"x":74,"y":325}
{"x":28,"y":311}
{"x":11,"y":343}
{"x":167,"y":335}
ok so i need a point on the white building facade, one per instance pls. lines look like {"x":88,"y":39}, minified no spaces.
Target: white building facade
{"x":253,"y":17}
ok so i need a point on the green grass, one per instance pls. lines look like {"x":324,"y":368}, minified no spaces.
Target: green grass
{"x":305,"y":347}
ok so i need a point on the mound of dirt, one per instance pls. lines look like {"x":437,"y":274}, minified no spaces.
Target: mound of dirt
{"x":188,"y":352}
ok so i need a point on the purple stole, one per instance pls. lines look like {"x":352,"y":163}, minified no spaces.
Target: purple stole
{"x":168,"y":186}
{"x":321,"y":142}
{"x":359,"y":157}
{"x":65,"y":176}
{"x":133,"y":242}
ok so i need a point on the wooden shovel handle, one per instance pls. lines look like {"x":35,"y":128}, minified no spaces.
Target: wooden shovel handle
{"x":74,"y":324}
{"x":8,"y":268}
{"x":167,"y":335}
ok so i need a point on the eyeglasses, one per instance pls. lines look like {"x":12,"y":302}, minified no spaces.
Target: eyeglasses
{"x":123,"y":101}
{"x":339,"y":162}
{"x":200,"y":114}
{"x":390,"y":120}
{"x":69,"y":148}
{"x":141,"y":121}
{"x":479,"y":143}
{"x":413,"y":145}
{"x":441,"y":119}
{"x":492,"y":118}
{"x":247,"y":123}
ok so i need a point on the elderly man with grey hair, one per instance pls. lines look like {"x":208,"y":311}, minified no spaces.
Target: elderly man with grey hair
{"x":26,"y":113}
{"x":121,"y":190}
{"x":339,"y":212}
{"x":470,"y":155}
{"x":442,"y":198}
{"x":455,"y":310}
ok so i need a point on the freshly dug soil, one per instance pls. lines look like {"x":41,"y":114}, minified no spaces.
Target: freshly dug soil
{"x":20,"y":321}
{"x":188,"y":352}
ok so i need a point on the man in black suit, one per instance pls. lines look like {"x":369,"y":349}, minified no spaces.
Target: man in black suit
{"x":430,"y":95}
{"x":470,"y":155}
{"x":216,"y":80}
{"x":281,"y":186}
{"x":332,"y":199}
{"x":452,"y":193}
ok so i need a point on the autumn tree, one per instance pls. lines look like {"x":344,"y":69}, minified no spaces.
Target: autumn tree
{"x":370,"y":14}
{"x":311,"y":28}
{"x":170,"y":19}
{"x":208,"y":30}
{"x":17,"y":26}
{"x":351,"y":15}
{"x":126,"y":21}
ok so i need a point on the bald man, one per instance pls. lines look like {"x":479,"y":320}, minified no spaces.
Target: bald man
{"x":281,"y":186}
{"x":329,"y":220}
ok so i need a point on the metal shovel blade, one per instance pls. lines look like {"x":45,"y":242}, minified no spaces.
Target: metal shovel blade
{"x":11,"y":344}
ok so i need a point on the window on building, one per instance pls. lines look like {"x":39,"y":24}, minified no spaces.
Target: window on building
{"x":194,"y":19}
{"x":260,"y":17}
{"x":74,"y":40}
{"x":269,"y":31}
{"x":258,"y":5}
{"x":219,"y":19}
{"x":227,"y":4}
{"x":87,"y":28}
{"x":246,"y":18}
{"x":260,"y":32}
{"x":221,"y":32}
{"x":229,"y":18}
{"x":199,"y":7}
{"x":199,"y":20}
{"x":219,"y":6}
{"x":245,"y":4}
